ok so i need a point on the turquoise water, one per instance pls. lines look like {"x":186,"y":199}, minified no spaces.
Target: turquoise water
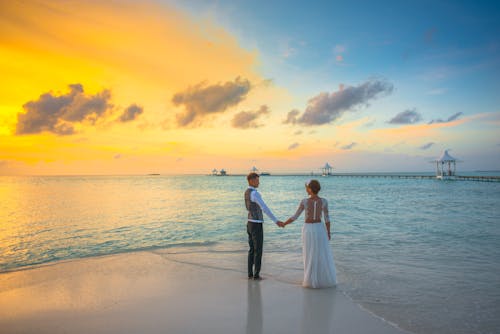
{"x":422,"y":253}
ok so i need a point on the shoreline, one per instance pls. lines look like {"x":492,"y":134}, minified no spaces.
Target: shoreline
{"x":134,"y":292}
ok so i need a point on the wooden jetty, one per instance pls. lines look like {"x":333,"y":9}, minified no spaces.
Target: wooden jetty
{"x":479,"y":178}
{"x":416,"y":176}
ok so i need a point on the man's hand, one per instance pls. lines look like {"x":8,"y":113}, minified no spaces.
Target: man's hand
{"x":280,"y":223}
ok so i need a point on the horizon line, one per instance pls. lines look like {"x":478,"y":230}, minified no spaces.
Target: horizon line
{"x":246,"y":173}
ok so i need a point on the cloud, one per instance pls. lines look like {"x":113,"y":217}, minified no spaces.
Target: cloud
{"x":58,"y":113}
{"x":291,"y":117}
{"x":297,"y":133}
{"x":293,"y":146}
{"x":201,"y":100}
{"x":426,"y":146}
{"x":117,"y":156}
{"x":410,"y":116}
{"x":349,"y":146}
{"x":248,"y":119}
{"x":327,"y":107}
{"x":489,"y":118}
{"x":131,"y":113}
{"x":450,"y":119}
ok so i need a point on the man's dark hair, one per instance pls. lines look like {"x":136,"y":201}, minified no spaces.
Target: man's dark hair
{"x":252,"y":175}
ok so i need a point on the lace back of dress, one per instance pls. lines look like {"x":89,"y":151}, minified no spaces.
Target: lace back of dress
{"x":313,"y":209}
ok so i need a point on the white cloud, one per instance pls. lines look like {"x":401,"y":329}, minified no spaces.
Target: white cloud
{"x":410,"y":116}
{"x":201,"y":99}
{"x":248,"y":119}
{"x":427,"y":146}
{"x":326,"y":107}
{"x":349,"y":146}
{"x":449,"y":119}
{"x":58,"y":113}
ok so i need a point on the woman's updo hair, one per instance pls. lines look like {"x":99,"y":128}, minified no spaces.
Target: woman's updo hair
{"x":314,"y":186}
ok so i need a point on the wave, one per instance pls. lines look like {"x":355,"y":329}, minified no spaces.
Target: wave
{"x":28,"y":265}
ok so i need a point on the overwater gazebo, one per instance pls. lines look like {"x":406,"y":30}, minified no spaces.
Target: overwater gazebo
{"x":446,"y":166}
{"x":326,"y":170}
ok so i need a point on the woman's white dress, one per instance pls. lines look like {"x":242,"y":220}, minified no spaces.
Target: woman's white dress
{"x":319,"y":267}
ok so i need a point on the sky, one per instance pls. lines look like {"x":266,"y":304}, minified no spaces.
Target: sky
{"x":185,"y":87}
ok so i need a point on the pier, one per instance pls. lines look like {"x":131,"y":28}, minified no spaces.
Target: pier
{"x":416,"y":176}
{"x":479,"y":178}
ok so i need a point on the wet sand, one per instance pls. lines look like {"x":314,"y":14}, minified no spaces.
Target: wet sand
{"x":162,"y":292}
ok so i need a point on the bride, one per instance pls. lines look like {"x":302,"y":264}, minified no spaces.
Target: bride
{"x":319,"y":268}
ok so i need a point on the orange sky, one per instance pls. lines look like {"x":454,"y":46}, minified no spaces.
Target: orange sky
{"x":72,"y":70}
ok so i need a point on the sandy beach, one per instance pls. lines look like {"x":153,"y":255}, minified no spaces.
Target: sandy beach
{"x":168,"y":292}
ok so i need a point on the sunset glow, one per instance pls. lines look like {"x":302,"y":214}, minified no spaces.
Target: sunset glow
{"x":127,"y":87}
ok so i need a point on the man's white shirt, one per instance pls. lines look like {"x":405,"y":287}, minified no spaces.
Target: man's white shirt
{"x":255,"y":197}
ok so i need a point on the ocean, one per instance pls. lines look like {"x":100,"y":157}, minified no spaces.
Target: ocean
{"x":423,"y":254}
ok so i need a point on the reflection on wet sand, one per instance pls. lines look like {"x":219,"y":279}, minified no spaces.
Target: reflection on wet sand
{"x":317,"y":319}
{"x":254,"y":308}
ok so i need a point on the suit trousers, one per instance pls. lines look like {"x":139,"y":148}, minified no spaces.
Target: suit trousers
{"x":255,"y":241}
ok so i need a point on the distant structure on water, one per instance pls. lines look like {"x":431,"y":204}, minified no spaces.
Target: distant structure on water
{"x":256,"y":170}
{"x":326,"y":170}
{"x":446,"y":166}
{"x":222,"y":172}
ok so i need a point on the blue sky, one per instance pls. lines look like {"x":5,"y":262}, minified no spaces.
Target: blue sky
{"x":436,"y":46}
{"x":443,"y":57}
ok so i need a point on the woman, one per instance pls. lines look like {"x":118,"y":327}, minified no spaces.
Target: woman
{"x":319,"y":268}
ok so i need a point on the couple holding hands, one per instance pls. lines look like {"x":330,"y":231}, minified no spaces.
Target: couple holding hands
{"x":319,"y":267}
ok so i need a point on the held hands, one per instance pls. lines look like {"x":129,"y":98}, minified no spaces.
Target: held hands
{"x":283,"y":224}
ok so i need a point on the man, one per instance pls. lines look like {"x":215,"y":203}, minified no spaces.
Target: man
{"x":255,"y":205}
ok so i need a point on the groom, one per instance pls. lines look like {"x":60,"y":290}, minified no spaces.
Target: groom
{"x":255,"y":205}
